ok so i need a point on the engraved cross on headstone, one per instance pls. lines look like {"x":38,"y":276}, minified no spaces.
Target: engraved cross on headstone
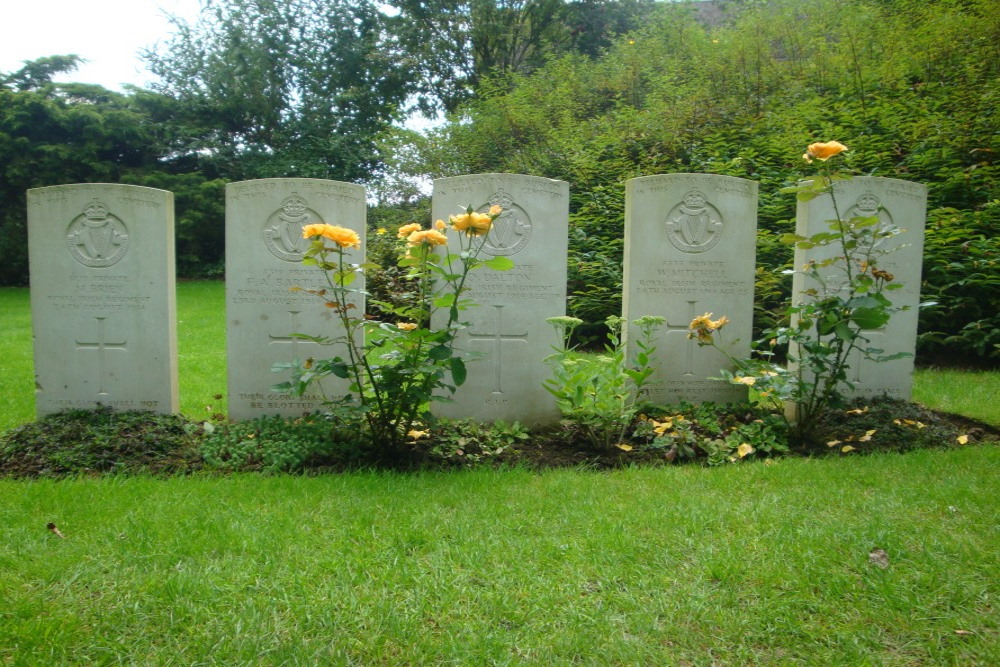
{"x":290,"y":339}
{"x":101,"y":346}
{"x":498,"y":338}
{"x":685,"y":328}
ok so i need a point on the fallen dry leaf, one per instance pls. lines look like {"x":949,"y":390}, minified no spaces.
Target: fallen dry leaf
{"x":879,"y":557}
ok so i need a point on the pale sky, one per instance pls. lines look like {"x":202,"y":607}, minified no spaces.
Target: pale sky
{"x":108,"y":33}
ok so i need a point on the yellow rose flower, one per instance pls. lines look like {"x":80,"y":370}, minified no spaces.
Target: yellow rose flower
{"x":481,"y":223}
{"x":427,"y":237}
{"x":406,"y":230}
{"x":824,"y":151}
{"x":309,"y":231}
{"x":703,"y":326}
{"x":496,"y":210}
{"x":460,"y":222}
{"x":473,"y":224}
{"x":345,"y":238}
{"x":406,"y":326}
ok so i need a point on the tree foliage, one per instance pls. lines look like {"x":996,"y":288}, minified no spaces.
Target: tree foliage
{"x":456,"y":44}
{"x":52,"y":134}
{"x":291,"y":88}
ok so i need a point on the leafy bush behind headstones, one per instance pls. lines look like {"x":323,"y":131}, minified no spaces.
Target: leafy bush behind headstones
{"x":912,"y":88}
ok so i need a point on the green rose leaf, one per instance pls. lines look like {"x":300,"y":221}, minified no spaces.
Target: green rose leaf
{"x":500,"y":263}
{"x":444,"y":301}
{"x":870,"y":318}
{"x":458,"y":373}
{"x":439,"y":352}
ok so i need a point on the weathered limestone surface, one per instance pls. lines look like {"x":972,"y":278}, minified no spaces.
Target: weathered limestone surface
{"x":897,"y":202}
{"x":690,"y":250}
{"x":264,"y":249}
{"x":508,"y":338}
{"x":103,"y":297}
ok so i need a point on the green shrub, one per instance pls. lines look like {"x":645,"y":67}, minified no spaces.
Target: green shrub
{"x":962,"y":275}
{"x":912,"y":87}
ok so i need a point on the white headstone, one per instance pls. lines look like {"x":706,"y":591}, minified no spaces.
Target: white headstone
{"x":507,"y":333}
{"x":264,"y":250}
{"x":896,"y":202}
{"x":103,"y":298}
{"x":689,"y":250}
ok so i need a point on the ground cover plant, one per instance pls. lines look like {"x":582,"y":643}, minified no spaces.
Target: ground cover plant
{"x":885,"y":559}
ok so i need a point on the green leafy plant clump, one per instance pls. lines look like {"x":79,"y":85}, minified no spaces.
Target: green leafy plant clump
{"x":278,"y":444}
{"x":597,"y":395}
{"x":101,"y":442}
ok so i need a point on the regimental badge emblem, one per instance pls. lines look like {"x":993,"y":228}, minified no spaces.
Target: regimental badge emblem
{"x":283,"y":229}
{"x":869,"y":206}
{"x":694,"y":225}
{"x":96,"y":237}
{"x":511,"y":231}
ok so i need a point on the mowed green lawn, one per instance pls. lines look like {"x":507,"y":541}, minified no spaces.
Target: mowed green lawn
{"x":878,"y":560}
{"x":202,"y":363}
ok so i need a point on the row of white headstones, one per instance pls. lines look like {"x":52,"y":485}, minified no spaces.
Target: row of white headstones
{"x":103,"y":287}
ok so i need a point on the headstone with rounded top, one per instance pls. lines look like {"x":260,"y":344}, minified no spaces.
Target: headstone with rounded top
{"x":267,"y":297}
{"x":103,"y":297}
{"x":690,"y":251}
{"x":897,"y":203}
{"x":507,"y":337}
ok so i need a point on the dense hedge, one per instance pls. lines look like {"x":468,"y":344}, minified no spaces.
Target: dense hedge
{"x":911,"y":87}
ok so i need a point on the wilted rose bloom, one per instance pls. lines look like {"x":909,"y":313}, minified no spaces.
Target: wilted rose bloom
{"x":824,"y":151}
{"x":428,"y":237}
{"x":406,"y":326}
{"x":883,"y":275}
{"x":345,"y":238}
{"x":703,"y":326}
{"x":406,"y":230}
